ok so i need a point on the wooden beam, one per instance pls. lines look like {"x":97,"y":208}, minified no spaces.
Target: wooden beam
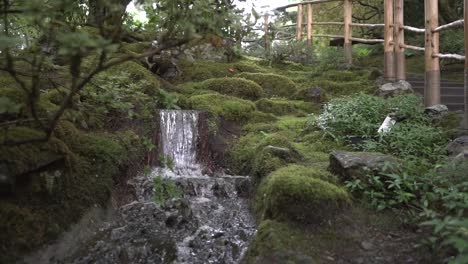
{"x":400,"y":59}
{"x":348,"y":17}
{"x":455,"y":24}
{"x":328,"y":23}
{"x":389,"y":47}
{"x":299,"y":23}
{"x":367,"y":25}
{"x":267,"y":39}
{"x":362,"y":40}
{"x":411,"y":47}
{"x":432,"y":86}
{"x":310,"y":20}
{"x":465,"y":122}
{"x":450,"y":56}
{"x":415,"y":30}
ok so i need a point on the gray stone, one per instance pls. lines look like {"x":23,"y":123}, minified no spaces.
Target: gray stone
{"x":366,"y":245}
{"x":396,"y":88}
{"x":458,"y":146}
{"x":355,"y":165}
{"x":436,"y":110}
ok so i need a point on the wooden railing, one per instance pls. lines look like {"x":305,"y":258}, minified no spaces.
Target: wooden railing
{"x":394,"y":41}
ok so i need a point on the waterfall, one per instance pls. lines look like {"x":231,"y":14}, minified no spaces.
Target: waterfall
{"x":179,"y":138}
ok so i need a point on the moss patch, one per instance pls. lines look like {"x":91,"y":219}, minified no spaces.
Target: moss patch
{"x":285,"y":107}
{"x":231,"y":108}
{"x":274,"y":85}
{"x":295,"y":193}
{"x":237,"y":87}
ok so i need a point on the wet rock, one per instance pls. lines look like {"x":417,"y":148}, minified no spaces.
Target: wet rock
{"x":243,"y":187}
{"x":355,"y":165}
{"x":393,"y":89}
{"x":458,"y":146}
{"x":219,"y":190}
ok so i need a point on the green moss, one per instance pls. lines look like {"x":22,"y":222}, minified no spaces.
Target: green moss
{"x":137,"y":47}
{"x":285,"y":107}
{"x":277,"y":242}
{"x":274,"y":85}
{"x":248,"y":66}
{"x":343,"y":76}
{"x":294,"y":193}
{"x":237,"y":87}
{"x":202,"y":70}
{"x":136,"y":72}
{"x":345,"y":88}
{"x":26,"y":157}
{"x":231,"y":108}
{"x":260,"y":117}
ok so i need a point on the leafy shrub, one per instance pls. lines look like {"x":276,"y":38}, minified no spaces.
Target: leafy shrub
{"x":165,"y":189}
{"x":237,"y":87}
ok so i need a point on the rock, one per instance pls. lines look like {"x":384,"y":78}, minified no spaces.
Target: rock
{"x":243,"y":187}
{"x":366,"y":245}
{"x":219,"y":190}
{"x":283,"y":153}
{"x":375,"y":74}
{"x":436,"y":110}
{"x":355,"y":165}
{"x":314,"y":95}
{"x":458,"y":146}
{"x":396,"y":88}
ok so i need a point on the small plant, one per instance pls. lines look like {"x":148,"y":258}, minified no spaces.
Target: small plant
{"x":166,"y":189}
{"x":166,"y":162}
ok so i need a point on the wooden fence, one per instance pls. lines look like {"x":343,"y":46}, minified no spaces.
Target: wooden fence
{"x":394,"y":41}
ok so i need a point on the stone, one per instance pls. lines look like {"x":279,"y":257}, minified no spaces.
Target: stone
{"x":283,"y":153}
{"x":458,"y":146}
{"x":355,"y":165}
{"x":395,"y":88}
{"x":366,"y":245}
{"x":314,"y":95}
{"x":436,"y":110}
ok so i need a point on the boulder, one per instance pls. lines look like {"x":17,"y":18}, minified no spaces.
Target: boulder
{"x":458,"y":146}
{"x":314,"y":95}
{"x":355,"y":165}
{"x":395,"y":88}
{"x":436,"y":110}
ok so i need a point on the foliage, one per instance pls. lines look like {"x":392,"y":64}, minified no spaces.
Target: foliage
{"x":285,"y":107}
{"x":165,"y":189}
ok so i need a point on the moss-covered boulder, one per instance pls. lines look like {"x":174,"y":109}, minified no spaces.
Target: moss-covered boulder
{"x":136,"y":72}
{"x":279,"y":242}
{"x":273,"y":84}
{"x":228,"y":107}
{"x":136,"y":47}
{"x":285,"y":107}
{"x":295,"y":193}
{"x":237,"y":87}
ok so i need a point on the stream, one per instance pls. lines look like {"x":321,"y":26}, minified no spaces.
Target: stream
{"x":209,"y":222}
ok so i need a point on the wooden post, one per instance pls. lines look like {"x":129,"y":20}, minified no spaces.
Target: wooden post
{"x":310,"y":17}
{"x":299,"y":23}
{"x":389,"y":57}
{"x":348,"y":47}
{"x":432,"y":87}
{"x":400,"y":40}
{"x":465,"y":123}
{"x":267,"y":39}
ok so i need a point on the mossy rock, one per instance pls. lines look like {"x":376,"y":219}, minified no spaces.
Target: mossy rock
{"x":229,"y":107}
{"x":273,"y":85}
{"x":294,"y":193}
{"x":248,"y":66}
{"x":28,"y":157}
{"x":260,"y":117}
{"x":201,"y":70}
{"x":279,"y":242}
{"x":237,"y":87}
{"x":285,"y":107}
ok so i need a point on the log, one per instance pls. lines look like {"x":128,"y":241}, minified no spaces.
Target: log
{"x":455,"y":24}
{"x":389,"y":47}
{"x":413,"y":47}
{"x":299,"y":23}
{"x":465,"y":120}
{"x":449,"y":56}
{"x":367,"y":25}
{"x":310,"y":17}
{"x":432,"y":80}
{"x":413,"y":29}
{"x":348,"y":34}
{"x":399,"y":40}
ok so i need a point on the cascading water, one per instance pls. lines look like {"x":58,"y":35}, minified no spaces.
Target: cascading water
{"x":210,"y":224}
